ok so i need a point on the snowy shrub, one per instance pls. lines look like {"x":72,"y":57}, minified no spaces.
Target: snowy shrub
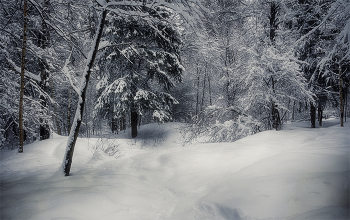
{"x":108,"y":146}
{"x":218,"y":124}
{"x":233,"y":130}
{"x":155,"y":141}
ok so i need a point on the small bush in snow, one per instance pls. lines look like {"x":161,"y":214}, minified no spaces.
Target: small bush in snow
{"x":108,"y":146}
{"x":233,"y":130}
{"x":229,"y":125}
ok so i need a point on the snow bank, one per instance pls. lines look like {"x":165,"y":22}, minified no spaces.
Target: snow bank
{"x":297,"y":173}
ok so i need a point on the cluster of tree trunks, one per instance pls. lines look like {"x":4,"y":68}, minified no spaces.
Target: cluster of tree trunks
{"x":118,"y":124}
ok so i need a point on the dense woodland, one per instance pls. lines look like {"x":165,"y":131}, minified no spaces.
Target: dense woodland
{"x":225,"y":68}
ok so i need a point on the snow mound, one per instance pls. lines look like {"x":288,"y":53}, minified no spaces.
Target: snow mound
{"x":297,"y":173}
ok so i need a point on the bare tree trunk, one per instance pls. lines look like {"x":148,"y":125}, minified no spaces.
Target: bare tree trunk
{"x":134,"y":117}
{"x":21,"y":96}
{"x":80,"y":108}
{"x":203,"y":94}
{"x":86,"y":120}
{"x":227,"y":83}
{"x":210,"y":102}
{"x":275,"y":117}
{"x":319,"y":114}
{"x":276,"y":120}
{"x":293,"y":110}
{"x":122,"y":123}
{"x":346,"y":103}
{"x":44,"y":74}
{"x":274,"y":7}
{"x":313,"y":115}
{"x":341,"y":97}
{"x":58,"y":127}
{"x":197,"y":103}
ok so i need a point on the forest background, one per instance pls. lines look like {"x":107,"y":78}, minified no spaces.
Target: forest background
{"x":226,"y":68}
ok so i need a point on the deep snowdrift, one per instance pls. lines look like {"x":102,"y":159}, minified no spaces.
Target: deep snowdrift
{"x":297,"y":173}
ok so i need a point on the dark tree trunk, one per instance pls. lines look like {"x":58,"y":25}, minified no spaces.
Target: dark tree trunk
{"x":313,"y":115}
{"x":346,"y":103}
{"x":114,"y":125}
{"x":277,"y":120}
{"x":58,"y":127}
{"x":203,"y":92}
{"x":197,"y":102}
{"x":272,"y":122}
{"x":80,"y":109}
{"x":134,"y":117}
{"x":293,"y":110}
{"x":274,"y":7}
{"x":21,"y":100}
{"x":44,"y":74}
{"x":122,"y":123}
{"x":275,"y":115}
{"x":341,"y":97}
{"x":210,"y":102}
{"x":319,"y":114}
{"x":44,"y":127}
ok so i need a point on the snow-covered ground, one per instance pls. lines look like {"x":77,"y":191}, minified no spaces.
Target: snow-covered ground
{"x":296,"y":173}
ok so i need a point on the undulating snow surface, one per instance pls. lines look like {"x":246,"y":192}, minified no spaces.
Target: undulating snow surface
{"x":296,"y":173}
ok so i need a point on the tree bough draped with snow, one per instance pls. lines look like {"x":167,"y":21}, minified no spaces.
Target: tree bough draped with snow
{"x":140,"y":63}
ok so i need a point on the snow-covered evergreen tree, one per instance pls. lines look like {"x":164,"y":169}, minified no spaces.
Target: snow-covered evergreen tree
{"x":139,"y":64}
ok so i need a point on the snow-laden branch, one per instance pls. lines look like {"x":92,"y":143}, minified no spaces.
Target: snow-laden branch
{"x":341,"y":43}
{"x":58,"y":30}
{"x":41,"y":91}
{"x":333,"y":10}
{"x":189,"y":10}
{"x":26,"y":73}
{"x":66,"y":71}
{"x":18,"y":69}
{"x":107,"y":44}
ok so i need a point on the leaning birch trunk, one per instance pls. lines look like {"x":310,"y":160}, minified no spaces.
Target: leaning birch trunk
{"x":67,"y":162}
{"x":20,"y":118}
{"x":68,"y":109}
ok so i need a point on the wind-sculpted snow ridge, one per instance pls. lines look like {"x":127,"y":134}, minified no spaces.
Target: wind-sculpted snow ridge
{"x":296,"y":173}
